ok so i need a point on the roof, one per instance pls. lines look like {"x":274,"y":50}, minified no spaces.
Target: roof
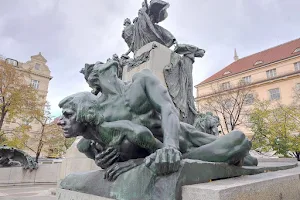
{"x":268,"y":56}
{"x":39,"y":57}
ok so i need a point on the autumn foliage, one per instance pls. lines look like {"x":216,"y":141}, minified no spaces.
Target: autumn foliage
{"x":17,"y":96}
{"x":21,"y":105}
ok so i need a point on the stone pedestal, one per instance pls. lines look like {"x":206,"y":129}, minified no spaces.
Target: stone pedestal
{"x":76,"y":162}
{"x":156,"y":59}
{"x":141,"y":183}
{"x":281,"y":185}
{"x":71,"y":195}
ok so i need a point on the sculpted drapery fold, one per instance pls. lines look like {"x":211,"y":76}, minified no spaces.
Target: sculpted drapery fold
{"x":145,"y":29}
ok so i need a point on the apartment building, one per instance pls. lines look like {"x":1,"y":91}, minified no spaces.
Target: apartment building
{"x":39,"y":78}
{"x":272,"y":74}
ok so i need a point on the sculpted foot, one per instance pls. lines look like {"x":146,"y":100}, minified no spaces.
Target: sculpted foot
{"x":239,"y":152}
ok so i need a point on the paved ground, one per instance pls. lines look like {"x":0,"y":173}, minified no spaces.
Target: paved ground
{"x":34,"y":192}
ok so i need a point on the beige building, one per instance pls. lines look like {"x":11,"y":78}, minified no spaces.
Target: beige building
{"x":39,"y":78}
{"x":272,"y":74}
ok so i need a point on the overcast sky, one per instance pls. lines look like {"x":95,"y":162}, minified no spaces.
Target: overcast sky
{"x":70,"y":33}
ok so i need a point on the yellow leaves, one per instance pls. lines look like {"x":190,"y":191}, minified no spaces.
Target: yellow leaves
{"x":15,"y":93}
{"x":18,"y":140}
{"x":22,"y":103}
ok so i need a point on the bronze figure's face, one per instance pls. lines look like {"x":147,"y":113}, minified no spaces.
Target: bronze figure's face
{"x":77,"y":110}
{"x":68,"y":122}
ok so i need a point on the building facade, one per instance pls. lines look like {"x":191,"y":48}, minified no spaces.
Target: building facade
{"x":272,"y":74}
{"x":39,"y":78}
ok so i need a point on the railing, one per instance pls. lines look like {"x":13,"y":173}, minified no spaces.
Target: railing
{"x":49,"y":161}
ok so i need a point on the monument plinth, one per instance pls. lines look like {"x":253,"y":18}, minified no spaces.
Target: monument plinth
{"x":153,"y":56}
{"x":141,"y":183}
{"x":75,"y":162}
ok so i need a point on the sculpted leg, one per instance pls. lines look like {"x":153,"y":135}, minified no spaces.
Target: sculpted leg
{"x":230,"y":148}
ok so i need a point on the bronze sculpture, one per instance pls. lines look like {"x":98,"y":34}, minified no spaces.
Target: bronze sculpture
{"x":142,"y":113}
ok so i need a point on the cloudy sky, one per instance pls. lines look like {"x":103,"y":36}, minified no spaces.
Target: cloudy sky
{"x":70,"y":33}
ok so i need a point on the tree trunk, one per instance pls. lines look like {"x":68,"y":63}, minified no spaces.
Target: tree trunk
{"x":298,"y":156}
{"x":3,"y":113}
{"x":2,"y":138}
{"x":40,"y":145}
{"x":38,"y":152}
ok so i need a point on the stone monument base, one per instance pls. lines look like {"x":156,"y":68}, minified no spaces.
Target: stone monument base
{"x":283,"y":185}
{"x":76,"y":162}
{"x":134,"y":184}
{"x":71,"y":195}
{"x":158,"y":57}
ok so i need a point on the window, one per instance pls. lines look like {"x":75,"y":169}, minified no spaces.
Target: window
{"x":297,"y":66}
{"x":271,"y":73}
{"x":297,"y":89}
{"x":37,"y":66}
{"x":35,"y":84}
{"x":297,"y":50}
{"x":274,"y":94}
{"x":246,"y":79}
{"x":226,"y":86}
{"x":249,"y":99}
{"x":258,"y":62}
{"x":12,"y":62}
{"x":298,"y":86}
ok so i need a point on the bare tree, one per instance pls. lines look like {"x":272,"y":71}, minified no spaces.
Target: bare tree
{"x":230,"y":104}
{"x":47,"y":135}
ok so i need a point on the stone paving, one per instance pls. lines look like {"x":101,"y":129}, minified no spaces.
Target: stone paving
{"x":27,"y":192}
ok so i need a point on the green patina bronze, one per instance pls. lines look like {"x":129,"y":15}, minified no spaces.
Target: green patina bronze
{"x":10,"y":156}
{"x":207,"y":123}
{"x":145,"y":28}
{"x":139,"y":120}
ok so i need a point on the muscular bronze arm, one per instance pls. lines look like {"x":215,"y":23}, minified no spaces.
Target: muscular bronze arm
{"x":159,"y":98}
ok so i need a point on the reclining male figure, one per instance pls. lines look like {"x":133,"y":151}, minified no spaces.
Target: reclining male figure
{"x":143,"y":114}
